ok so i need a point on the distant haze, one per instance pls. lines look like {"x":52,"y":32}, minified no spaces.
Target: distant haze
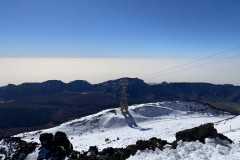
{"x":96,"y":70}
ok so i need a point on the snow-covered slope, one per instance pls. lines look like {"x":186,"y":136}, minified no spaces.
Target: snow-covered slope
{"x":230,"y":128}
{"x":212,"y":150}
{"x":111,"y":128}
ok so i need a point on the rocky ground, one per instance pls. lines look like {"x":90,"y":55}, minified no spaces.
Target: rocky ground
{"x":59,"y":147}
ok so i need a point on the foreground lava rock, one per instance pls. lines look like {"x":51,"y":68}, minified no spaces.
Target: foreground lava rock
{"x":17,"y":148}
{"x":54,"y":147}
{"x":200,"y":133}
{"x":59,"y":147}
{"x":119,"y":153}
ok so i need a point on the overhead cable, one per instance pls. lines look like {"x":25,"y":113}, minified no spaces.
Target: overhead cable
{"x":201,"y":64}
{"x":194,"y":61}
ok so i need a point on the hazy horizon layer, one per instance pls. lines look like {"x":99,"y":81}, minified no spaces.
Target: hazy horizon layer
{"x":97,"y":70}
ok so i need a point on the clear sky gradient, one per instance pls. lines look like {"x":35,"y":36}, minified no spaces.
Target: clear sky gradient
{"x":118,"y":28}
{"x":98,"y":40}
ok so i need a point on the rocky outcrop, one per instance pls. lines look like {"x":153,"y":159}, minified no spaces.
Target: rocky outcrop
{"x":199,"y":133}
{"x":59,"y":147}
{"x":119,"y":153}
{"x":17,"y":149}
{"x":56,"y":147}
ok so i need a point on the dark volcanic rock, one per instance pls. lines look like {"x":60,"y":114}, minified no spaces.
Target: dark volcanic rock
{"x":76,"y":155}
{"x":92,"y":150}
{"x":46,"y":140}
{"x":199,"y":133}
{"x":60,"y":139}
{"x":59,"y":147}
{"x":54,"y":147}
{"x":152,"y":144}
{"x":120,"y":153}
{"x":17,"y":148}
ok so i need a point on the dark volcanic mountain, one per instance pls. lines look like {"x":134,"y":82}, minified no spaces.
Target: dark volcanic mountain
{"x":31,"y":106}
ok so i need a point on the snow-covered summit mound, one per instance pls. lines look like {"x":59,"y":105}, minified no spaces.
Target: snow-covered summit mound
{"x":174,"y":108}
{"x":113,"y":118}
{"x":111,"y":128}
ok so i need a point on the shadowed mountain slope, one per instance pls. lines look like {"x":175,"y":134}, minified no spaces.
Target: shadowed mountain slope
{"x":32,"y":106}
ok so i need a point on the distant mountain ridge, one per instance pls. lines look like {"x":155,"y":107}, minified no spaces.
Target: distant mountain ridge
{"x":48,"y":87}
{"x":137,"y":89}
{"x":32,"y":106}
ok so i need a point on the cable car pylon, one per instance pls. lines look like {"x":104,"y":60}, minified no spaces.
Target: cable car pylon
{"x":124,"y":102}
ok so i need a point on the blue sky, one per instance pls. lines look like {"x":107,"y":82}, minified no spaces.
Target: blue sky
{"x":118,"y":28}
